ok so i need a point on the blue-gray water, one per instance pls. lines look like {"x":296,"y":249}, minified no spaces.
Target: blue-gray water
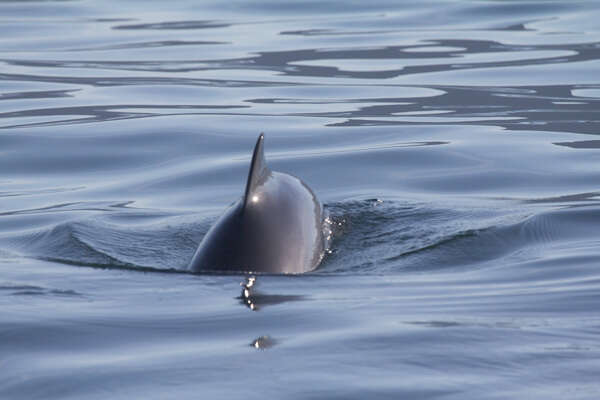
{"x":454,"y":143}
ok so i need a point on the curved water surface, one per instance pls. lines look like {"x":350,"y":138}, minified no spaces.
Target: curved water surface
{"x":452,"y":142}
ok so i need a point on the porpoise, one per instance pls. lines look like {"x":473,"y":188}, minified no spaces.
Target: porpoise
{"x":276,"y":227}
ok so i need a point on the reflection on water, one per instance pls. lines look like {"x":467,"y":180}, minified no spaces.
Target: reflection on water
{"x":454,"y":144}
{"x":256,"y":300}
{"x":263,"y":343}
{"x":522,"y":105}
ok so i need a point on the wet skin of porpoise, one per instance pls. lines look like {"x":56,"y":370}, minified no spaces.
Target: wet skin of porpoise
{"x":277,"y":227}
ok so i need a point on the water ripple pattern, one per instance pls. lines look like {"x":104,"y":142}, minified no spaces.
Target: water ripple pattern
{"x":454,"y":145}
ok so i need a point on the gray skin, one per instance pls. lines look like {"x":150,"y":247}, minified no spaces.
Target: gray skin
{"x":277,"y":227}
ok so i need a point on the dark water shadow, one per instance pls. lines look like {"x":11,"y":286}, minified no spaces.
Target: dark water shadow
{"x":264,"y":342}
{"x":581,"y":144}
{"x":196,"y":24}
{"x":31,"y":290}
{"x":150,"y":80}
{"x":532,"y":108}
{"x":150,"y":44}
{"x":255,"y":300}
{"x":90,"y":114}
{"x":41,"y":94}
{"x":288,"y":62}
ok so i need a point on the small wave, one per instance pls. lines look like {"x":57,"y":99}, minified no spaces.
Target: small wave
{"x":370,"y":235}
{"x":32,"y":290}
{"x":165,"y":247}
{"x":367,"y":237}
{"x":389,"y":237}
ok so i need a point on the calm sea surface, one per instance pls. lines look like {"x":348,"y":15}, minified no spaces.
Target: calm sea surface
{"x":455,"y":144}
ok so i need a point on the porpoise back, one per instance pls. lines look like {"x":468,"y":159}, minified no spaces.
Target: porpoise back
{"x":276,"y":227}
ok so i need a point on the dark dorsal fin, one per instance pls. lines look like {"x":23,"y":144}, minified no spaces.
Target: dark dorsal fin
{"x":258,"y":169}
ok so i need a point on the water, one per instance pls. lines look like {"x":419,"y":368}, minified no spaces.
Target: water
{"x":453,"y":143}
